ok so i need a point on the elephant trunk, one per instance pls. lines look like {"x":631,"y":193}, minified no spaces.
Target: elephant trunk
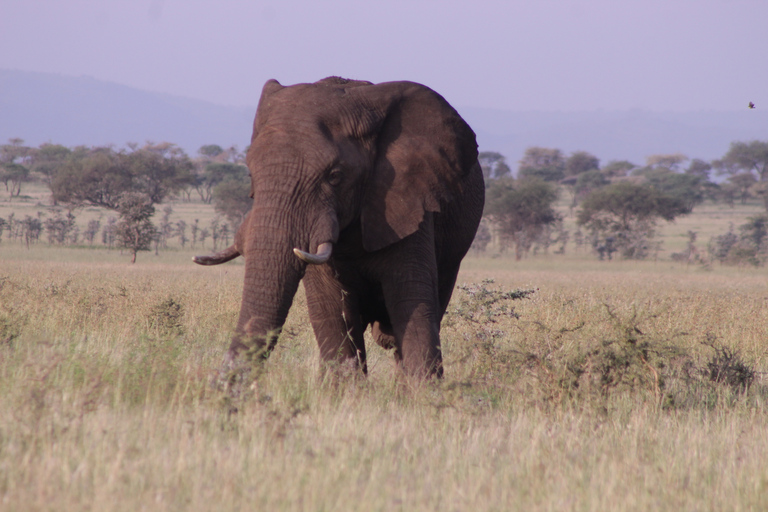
{"x":272,"y":275}
{"x":274,"y":244}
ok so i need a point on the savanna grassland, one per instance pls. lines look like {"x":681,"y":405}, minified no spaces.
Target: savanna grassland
{"x":613,"y":386}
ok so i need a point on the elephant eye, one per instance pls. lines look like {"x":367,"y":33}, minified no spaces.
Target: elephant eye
{"x":335,"y":176}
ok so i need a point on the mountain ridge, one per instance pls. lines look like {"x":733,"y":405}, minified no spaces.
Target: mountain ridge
{"x":47,"y":107}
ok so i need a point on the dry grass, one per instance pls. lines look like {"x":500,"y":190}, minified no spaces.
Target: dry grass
{"x":105,"y":402}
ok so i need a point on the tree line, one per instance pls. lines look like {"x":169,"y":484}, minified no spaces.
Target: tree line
{"x":130,"y":181}
{"x":618,"y":205}
{"x":99,"y":175}
{"x":133,"y":232}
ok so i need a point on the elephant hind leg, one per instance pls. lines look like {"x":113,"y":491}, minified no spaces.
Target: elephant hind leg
{"x":383,"y":335}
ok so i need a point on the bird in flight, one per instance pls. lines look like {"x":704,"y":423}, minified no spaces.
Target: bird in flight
{"x":751,"y":105}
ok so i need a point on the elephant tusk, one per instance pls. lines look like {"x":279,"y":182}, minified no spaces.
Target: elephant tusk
{"x":224,"y":256}
{"x":323,"y":254}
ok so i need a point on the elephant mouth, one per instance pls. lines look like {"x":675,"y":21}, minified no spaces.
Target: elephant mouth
{"x":322,"y":255}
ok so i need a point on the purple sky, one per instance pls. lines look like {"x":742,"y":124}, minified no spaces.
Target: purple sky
{"x":515,"y":55}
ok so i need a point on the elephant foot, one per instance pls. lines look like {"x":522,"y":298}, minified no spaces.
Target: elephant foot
{"x":336,"y":372}
{"x":235,"y":381}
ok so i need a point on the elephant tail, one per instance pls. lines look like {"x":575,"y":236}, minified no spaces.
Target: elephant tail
{"x":224,"y":256}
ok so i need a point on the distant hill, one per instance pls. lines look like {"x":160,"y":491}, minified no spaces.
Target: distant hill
{"x":42,"y":107}
{"x":629,"y":135}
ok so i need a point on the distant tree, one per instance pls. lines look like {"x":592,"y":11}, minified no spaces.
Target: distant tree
{"x":688,"y":188}
{"x":100,"y":176}
{"x":749,"y":157}
{"x":743,"y":183}
{"x":216,"y":172}
{"x":160,"y":170}
{"x":13,"y":175}
{"x":166,"y":228}
{"x":109,"y":233}
{"x":49,"y":158}
{"x":15,"y":159}
{"x":543,"y":163}
{"x":15,"y":152}
{"x":134,"y":230}
{"x":203,"y":235}
{"x":236,"y":156}
{"x":210,"y":150}
{"x":746,"y":157}
{"x":617,"y":168}
{"x":494,"y":165}
{"x":520,"y":209}
{"x":482,"y":237}
{"x":232,"y":199}
{"x":727,"y":193}
{"x":750,"y":246}
{"x":60,"y":228}
{"x":586,"y":182}
{"x":91,"y":230}
{"x":699,"y":168}
{"x":580,"y":162}
{"x":181,"y":232}
{"x":627,"y":202}
{"x":671,"y":161}
{"x":195,"y":230}
{"x":93,"y":176}
{"x":31,"y":227}
{"x":625,"y":214}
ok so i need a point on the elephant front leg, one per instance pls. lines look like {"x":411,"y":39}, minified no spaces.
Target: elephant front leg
{"x":335,"y":317}
{"x":412,"y":304}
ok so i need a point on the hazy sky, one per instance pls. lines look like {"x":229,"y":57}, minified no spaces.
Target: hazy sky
{"x":515,"y":54}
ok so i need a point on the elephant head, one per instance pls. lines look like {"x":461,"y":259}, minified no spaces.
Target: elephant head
{"x":340,"y":169}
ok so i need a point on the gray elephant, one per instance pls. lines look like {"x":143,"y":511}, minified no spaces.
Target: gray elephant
{"x":372,"y":195}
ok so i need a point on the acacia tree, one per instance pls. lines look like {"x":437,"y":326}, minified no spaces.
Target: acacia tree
{"x":214,"y":165}
{"x":670,"y":161}
{"x":494,"y":165}
{"x":624,"y":215}
{"x":232,"y":198}
{"x":544,"y":163}
{"x":99,"y":176}
{"x":747,"y":157}
{"x":15,"y":159}
{"x":519,"y":210}
{"x":699,"y":168}
{"x":160,"y":170}
{"x":216,"y":173}
{"x":580,"y":162}
{"x":48,"y":160}
{"x":134,"y":230}
{"x":617,"y":168}
{"x":585,"y":183}
{"x":13,"y":175}
{"x":128,"y":181}
{"x":743,"y":183}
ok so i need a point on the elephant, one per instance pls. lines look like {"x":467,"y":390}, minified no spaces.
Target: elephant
{"x":369,"y":193}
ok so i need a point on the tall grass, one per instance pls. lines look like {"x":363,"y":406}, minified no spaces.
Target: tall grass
{"x":597,"y":397}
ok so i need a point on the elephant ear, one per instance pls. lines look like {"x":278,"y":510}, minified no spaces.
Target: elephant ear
{"x":423,"y":150}
{"x":270,"y":87}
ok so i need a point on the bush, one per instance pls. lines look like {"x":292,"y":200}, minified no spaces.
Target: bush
{"x":749,"y":247}
{"x":135,"y":230}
